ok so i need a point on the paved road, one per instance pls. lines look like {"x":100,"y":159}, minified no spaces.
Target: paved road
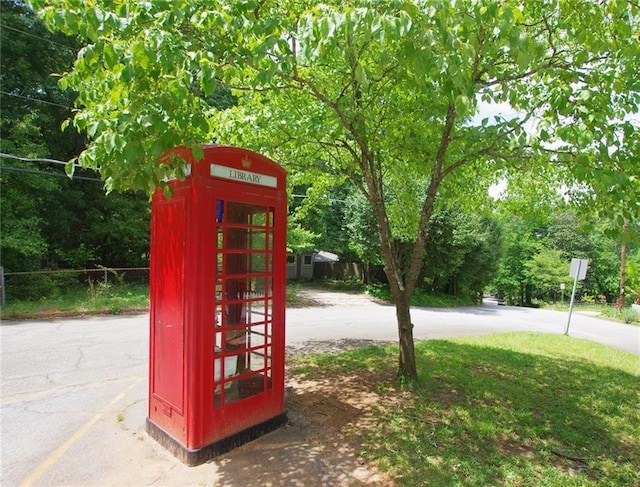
{"x":74,"y":393}
{"x":373,"y":321}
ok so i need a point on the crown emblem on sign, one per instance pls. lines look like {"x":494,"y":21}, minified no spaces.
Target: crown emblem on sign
{"x":246,"y":162}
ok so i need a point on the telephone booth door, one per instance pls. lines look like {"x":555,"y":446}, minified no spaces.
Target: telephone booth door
{"x":244,"y":255}
{"x":217,"y":299}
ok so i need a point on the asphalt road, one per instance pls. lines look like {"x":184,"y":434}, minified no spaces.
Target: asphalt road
{"x":377,"y":322}
{"x":74,"y":391}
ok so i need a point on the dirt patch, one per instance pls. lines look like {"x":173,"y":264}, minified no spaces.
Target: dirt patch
{"x":335,"y":413}
{"x":314,"y":296}
{"x":332,"y":346}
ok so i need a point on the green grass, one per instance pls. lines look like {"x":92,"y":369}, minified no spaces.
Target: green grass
{"x":492,"y":410}
{"x":625,"y":315}
{"x":99,"y":299}
{"x":113,"y":299}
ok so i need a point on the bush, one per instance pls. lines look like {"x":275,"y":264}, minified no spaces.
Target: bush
{"x":629,"y":316}
{"x":626,"y":315}
{"x":35,"y":287}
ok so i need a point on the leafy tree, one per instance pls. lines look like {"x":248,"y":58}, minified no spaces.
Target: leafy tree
{"x":49,"y":221}
{"x":546,"y":270}
{"x":299,"y":239}
{"x":522,"y":241}
{"x":381,"y":93}
{"x":33,"y":106}
{"x":538,"y":252}
{"x":321,"y":210}
{"x":360,"y":225}
{"x":480,"y":240}
{"x":462,"y":253}
{"x":633,"y":276}
{"x":570,"y":235}
{"x":27,"y":127}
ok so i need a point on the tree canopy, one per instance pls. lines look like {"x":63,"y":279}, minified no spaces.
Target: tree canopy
{"x":49,"y":221}
{"x":384,"y":94}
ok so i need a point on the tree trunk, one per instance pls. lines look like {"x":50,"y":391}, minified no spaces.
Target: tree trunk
{"x":407,"y":358}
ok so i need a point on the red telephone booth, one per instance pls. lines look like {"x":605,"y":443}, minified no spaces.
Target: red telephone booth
{"x":217,"y":291}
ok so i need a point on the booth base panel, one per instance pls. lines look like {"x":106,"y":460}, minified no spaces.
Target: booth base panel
{"x":201,"y":455}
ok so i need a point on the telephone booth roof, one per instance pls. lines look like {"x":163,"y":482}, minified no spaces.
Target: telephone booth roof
{"x":231,"y":164}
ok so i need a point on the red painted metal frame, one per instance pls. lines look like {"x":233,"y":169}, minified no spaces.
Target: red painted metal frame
{"x":195,"y":307}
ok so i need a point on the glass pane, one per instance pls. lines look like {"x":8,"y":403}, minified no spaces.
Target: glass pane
{"x":259,"y":263}
{"x":257,"y":240}
{"x":218,"y":291}
{"x":236,"y":340}
{"x":243,"y":388}
{"x":217,"y":341}
{"x":237,"y":288}
{"x":259,"y":218}
{"x":261,"y":285}
{"x":237,"y":238}
{"x":257,"y":336}
{"x":242,"y":213}
{"x":269,"y":311}
{"x":255,"y":312}
{"x":257,"y":360}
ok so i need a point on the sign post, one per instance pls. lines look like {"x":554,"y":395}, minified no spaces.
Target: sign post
{"x":578,"y":270}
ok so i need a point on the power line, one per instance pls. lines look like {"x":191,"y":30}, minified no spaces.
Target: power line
{"x":36,"y":100}
{"x":41,"y":173}
{"x":37,"y":37}
{"x":36,"y":159}
{"x":42,"y":160}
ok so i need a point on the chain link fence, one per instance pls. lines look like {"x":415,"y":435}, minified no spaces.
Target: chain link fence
{"x":40,"y":285}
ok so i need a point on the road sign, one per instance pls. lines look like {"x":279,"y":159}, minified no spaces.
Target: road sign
{"x":578,"y":268}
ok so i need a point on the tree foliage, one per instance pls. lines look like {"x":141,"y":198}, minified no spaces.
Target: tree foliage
{"x":538,"y":253}
{"x":462,"y":253}
{"x":381,"y":93}
{"x":49,"y":221}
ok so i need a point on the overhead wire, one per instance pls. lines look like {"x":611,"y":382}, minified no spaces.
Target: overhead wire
{"x":42,"y":173}
{"x":34,"y":159}
{"x":5,"y":26}
{"x":36,"y":100}
{"x":41,"y":160}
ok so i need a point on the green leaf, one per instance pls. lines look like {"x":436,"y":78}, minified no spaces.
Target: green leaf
{"x":197,"y":152}
{"x":110,"y":56}
{"x":361,"y":76}
{"x":70,"y":168}
{"x":208,"y":81}
{"x":463,"y":105}
{"x":140,"y":55}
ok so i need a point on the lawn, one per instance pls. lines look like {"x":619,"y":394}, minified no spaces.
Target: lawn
{"x":516,"y":409}
{"x":111,"y":299}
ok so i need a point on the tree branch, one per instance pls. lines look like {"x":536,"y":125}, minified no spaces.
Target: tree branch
{"x":429,"y":202}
